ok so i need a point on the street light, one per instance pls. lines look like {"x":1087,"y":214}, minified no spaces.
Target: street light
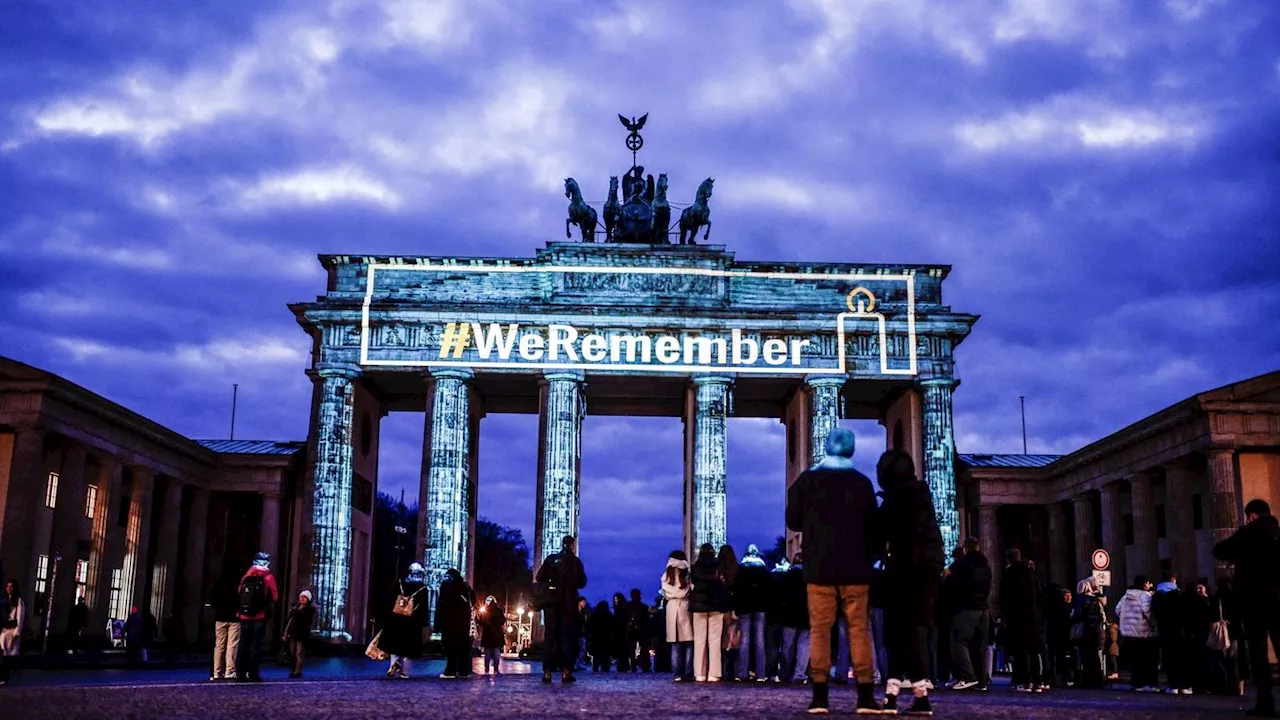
{"x":400,"y":533}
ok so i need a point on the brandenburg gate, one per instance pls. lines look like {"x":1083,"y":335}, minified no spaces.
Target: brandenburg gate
{"x":632,"y":324}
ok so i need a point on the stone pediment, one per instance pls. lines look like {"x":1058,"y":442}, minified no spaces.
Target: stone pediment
{"x":1260,"y":389}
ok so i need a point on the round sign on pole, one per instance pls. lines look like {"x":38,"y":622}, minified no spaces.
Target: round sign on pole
{"x":1101,"y":560}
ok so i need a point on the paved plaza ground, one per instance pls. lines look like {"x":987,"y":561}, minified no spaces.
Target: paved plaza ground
{"x":354,"y":688}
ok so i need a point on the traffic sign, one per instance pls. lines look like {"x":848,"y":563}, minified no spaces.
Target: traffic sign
{"x":1101,"y":560}
{"x":1102,"y":578}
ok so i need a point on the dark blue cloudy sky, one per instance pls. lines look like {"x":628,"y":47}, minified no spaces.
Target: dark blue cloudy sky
{"x":1101,"y":174}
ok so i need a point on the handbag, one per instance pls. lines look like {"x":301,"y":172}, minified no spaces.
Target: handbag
{"x":1076,"y":634}
{"x":1219,"y":634}
{"x":406,"y":604}
{"x":373,"y":652}
{"x":286,"y":655}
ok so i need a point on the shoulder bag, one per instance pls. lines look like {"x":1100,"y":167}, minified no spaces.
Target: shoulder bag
{"x":1219,"y":634}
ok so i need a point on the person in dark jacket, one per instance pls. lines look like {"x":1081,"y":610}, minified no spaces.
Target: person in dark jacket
{"x":940,"y":640}
{"x":1169,"y":608}
{"x":563,"y":571}
{"x":77,"y":621}
{"x":1020,"y":609}
{"x":600,"y":637}
{"x":297,"y":631}
{"x":1254,"y":550}
{"x":621,"y":651}
{"x":793,"y":616}
{"x":401,"y":635}
{"x":709,"y":600}
{"x":834,"y":506}
{"x":913,"y":569}
{"x":970,"y":628}
{"x":638,"y":638}
{"x":453,"y":622}
{"x":1057,"y":620}
{"x":1236,"y":661}
{"x":750,"y":603}
{"x":1089,"y":613}
{"x":493,"y":623}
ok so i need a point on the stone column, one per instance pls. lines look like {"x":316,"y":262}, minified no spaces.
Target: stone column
{"x":939,"y":456}
{"x":1113,"y":539}
{"x":1059,"y":547}
{"x":989,"y":537}
{"x":443,"y":500}
{"x":138,"y":539}
{"x":1181,"y":521}
{"x":165,"y":576}
{"x":193,"y":570}
{"x":826,"y":405}
{"x":1223,"y":507}
{"x":1082,"y":507}
{"x":706,"y":449}
{"x":269,"y":529}
{"x":331,"y":506}
{"x":104,"y":525}
{"x":25,"y":491}
{"x":1145,"y":543}
{"x":562,"y":407}
{"x":68,"y":519}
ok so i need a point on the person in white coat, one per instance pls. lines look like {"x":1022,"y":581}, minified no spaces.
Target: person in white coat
{"x":1138,"y":635}
{"x":11,"y":625}
{"x":675,"y":591}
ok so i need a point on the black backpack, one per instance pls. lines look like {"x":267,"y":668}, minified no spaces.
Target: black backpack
{"x":253,"y":595}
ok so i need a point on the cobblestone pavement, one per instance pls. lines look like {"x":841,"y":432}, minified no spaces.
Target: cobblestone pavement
{"x":350,"y":688}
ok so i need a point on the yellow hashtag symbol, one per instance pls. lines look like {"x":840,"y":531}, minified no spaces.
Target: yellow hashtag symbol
{"x":456,"y":338}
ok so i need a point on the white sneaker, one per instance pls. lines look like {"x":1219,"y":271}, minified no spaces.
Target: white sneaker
{"x":444,"y":676}
{"x":700,"y":679}
{"x":965,"y":685}
{"x":1186,"y":691}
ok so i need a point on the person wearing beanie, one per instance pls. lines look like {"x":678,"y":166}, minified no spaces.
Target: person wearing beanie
{"x":297,"y":631}
{"x":402,"y":623}
{"x":258,"y":596}
{"x":913,"y":568}
{"x":1138,"y":636}
{"x":834,"y":507}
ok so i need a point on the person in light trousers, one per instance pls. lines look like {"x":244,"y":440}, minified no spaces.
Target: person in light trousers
{"x":226,"y":629}
{"x":708,"y":603}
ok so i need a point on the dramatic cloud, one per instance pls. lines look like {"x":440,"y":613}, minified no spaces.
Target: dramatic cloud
{"x":1101,"y":176}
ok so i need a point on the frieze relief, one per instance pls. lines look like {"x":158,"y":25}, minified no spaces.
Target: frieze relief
{"x":640,"y":284}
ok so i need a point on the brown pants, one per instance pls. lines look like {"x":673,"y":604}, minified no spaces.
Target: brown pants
{"x":824,"y":600}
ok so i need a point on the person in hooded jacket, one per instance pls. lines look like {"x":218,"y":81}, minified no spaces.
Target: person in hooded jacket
{"x":708,"y":603}
{"x":453,"y":622}
{"x":401,"y":635}
{"x":1138,"y":640}
{"x":253,"y":621}
{"x":1020,"y":610}
{"x":638,"y":639}
{"x":1254,"y":550}
{"x":1089,"y":613}
{"x":297,"y":631}
{"x":565,"y":573}
{"x":750,"y":603}
{"x":493,"y":621}
{"x":913,"y":569}
{"x":676,"y":587}
{"x":1169,"y":608}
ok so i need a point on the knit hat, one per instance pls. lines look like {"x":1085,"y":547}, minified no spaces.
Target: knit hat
{"x":753,"y":551}
{"x":417,"y":573}
{"x":306,"y":594}
{"x":840,"y":442}
{"x":262,"y":560}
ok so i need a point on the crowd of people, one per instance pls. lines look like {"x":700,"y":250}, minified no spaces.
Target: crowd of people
{"x":869,"y":600}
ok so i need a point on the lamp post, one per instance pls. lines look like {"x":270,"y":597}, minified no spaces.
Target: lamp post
{"x":400,"y":533}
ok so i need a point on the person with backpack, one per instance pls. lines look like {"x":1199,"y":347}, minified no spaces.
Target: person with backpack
{"x":561,"y":576}
{"x":1254,"y":550}
{"x":258,"y":596}
{"x":402,"y":626}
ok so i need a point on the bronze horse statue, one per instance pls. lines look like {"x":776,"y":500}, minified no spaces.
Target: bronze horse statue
{"x":580,"y":213}
{"x":697,"y":215}
{"x":661,"y":211}
{"x":612,"y":209}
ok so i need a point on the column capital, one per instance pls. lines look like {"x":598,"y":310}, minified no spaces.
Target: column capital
{"x":1220,"y":452}
{"x":343,"y":370}
{"x":1110,"y":489}
{"x":454,"y":373}
{"x":948,"y":383}
{"x":836,"y":381}
{"x":1081,"y":499}
{"x":711,"y":379}
{"x":562,"y":376}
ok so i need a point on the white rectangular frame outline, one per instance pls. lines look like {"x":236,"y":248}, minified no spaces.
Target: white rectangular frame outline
{"x":906,"y":278}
